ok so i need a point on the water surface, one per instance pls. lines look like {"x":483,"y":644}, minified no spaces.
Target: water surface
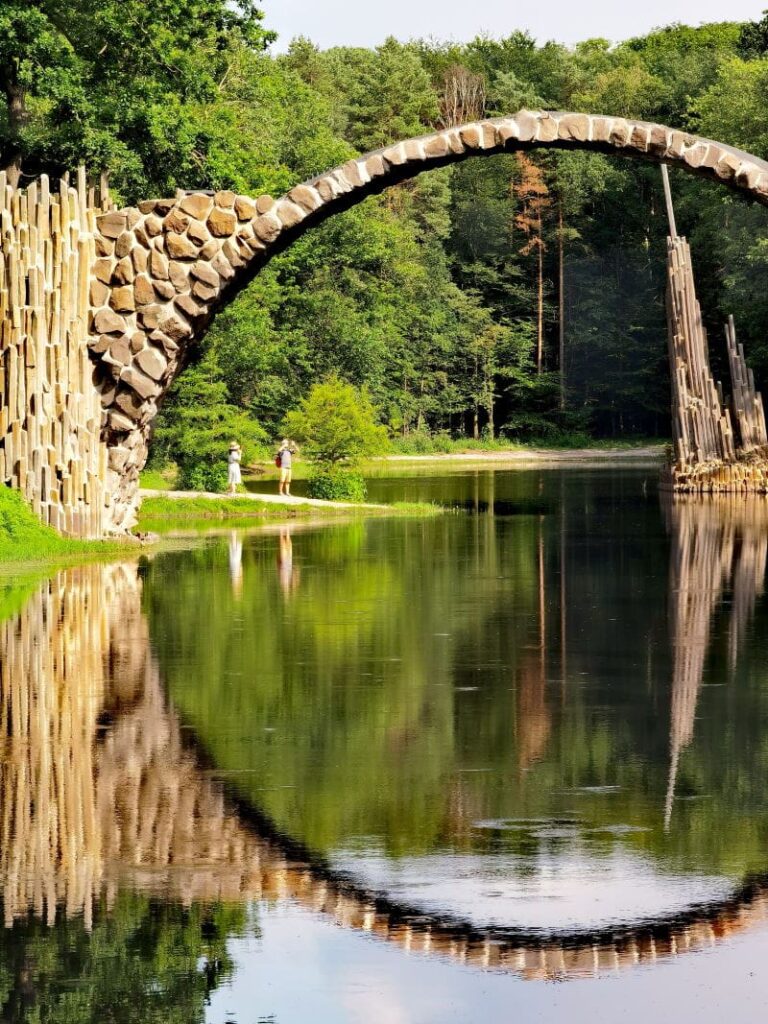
{"x":397,"y":770}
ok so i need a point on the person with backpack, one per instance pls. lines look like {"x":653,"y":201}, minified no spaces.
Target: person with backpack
{"x":284,"y":461}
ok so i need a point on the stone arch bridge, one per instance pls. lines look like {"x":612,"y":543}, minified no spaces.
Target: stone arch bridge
{"x":98,"y":306}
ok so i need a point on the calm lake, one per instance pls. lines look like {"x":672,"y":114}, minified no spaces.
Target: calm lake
{"x":506,"y":763}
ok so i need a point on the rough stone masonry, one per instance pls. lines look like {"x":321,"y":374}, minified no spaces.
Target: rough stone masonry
{"x":98,"y":307}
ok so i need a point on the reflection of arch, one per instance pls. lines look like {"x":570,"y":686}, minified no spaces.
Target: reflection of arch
{"x":84,"y":815}
{"x":164,"y":268}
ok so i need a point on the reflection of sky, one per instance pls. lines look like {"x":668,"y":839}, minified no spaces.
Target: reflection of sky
{"x":555,"y":890}
{"x":305,"y":969}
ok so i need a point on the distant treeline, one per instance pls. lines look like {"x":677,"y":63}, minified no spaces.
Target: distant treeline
{"x":452,"y":298}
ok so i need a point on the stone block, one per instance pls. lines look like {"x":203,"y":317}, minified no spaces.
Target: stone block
{"x":104,"y":246}
{"x":143,"y":385}
{"x":658,"y":142}
{"x":152,"y":362}
{"x":103,"y":270}
{"x":140,"y":259}
{"x":176,"y":221}
{"x":119,"y":422}
{"x":143,"y":290}
{"x":179,"y":247}
{"x":601,"y":129}
{"x":225,"y":199}
{"x":174,"y":328}
{"x":210,"y":249}
{"x":640,"y":138}
{"x":198,"y":232}
{"x":454,"y":141}
{"x":204,"y":272}
{"x":232,"y":254}
{"x":548,"y":129}
{"x":621,"y":132}
{"x":188,"y":306}
{"x":112,"y":224}
{"x":122,"y":299}
{"x":306,"y":197}
{"x":99,"y":294}
{"x":150,"y":316}
{"x":264,"y":204}
{"x":153,"y":225}
{"x":436,"y":147}
{"x":727,"y":166}
{"x":268,"y":227}
{"x":470,"y":136}
{"x":120,"y":351}
{"x":158,"y":265}
{"x":395,"y":155}
{"x":179,"y":276}
{"x":573,"y":128}
{"x":376,"y":166}
{"x":222,"y":267}
{"x":124,"y":272}
{"x":164,"y":290}
{"x":167,"y":344}
{"x":204,"y":292}
{"x":106,"y":321}
{"x":354,"y":174}
{"x":101,"y":344}
{"x":694,"y":155}
{"x":527,"y":125}
{"x":138,"y":341}
{"x":132,"y":216}
{"x":221,"y":222}
{"x":197,"y":205}
{"x":124,"y":243}
{"x":245,"y":208}
{"x":147,"y":205}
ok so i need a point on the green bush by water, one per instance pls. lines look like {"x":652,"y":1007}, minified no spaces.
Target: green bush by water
{"x":24,"y":538}
{"x":333,"y":483}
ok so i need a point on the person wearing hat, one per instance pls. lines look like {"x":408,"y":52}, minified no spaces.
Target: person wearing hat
{"x":233,"y":476}
{"x":284,"y":459}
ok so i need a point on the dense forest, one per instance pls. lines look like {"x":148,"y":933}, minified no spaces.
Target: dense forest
{"x":515,"y":297}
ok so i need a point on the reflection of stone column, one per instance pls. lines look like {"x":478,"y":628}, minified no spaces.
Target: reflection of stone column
{"x":717,"y":542}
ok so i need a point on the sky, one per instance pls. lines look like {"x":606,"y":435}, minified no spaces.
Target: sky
{"x":366,"y":23}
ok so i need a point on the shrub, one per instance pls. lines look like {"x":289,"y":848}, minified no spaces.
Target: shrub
{"x":203,"y":476}
{"x":336,"y":422}
{"x":333,"y":483}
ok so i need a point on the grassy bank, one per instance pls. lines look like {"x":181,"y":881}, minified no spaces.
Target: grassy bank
{"x":23,"y":538}
{"x":158,"y":510}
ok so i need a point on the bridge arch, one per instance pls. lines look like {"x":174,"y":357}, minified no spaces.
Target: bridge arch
{"x":164,"y":268}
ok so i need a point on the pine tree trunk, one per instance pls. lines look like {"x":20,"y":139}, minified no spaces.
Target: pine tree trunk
{"x":17,"y":118}
{"x":561,"y":301}
{"x":540,"y":314}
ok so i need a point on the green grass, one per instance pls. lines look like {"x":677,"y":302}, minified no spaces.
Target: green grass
{"x":159,"y":479}
{"x":23,"y":538}
{"x":156,"y":512}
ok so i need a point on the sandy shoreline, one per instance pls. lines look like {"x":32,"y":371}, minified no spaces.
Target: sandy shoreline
{"x":540,"y":456}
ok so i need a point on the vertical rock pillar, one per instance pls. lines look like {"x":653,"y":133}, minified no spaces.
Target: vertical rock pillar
{"x":50,"y":411}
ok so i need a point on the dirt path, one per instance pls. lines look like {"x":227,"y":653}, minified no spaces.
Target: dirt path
{"x":269,"y":499}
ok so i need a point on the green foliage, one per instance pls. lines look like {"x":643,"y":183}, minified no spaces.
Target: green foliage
{"x":335,"y":423}
{"x":197,"y":436}
{"x":337,"y":483}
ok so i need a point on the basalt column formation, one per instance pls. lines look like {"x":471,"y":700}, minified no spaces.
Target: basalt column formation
{"x":50,"y":413}
{"x":719,"y":446}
